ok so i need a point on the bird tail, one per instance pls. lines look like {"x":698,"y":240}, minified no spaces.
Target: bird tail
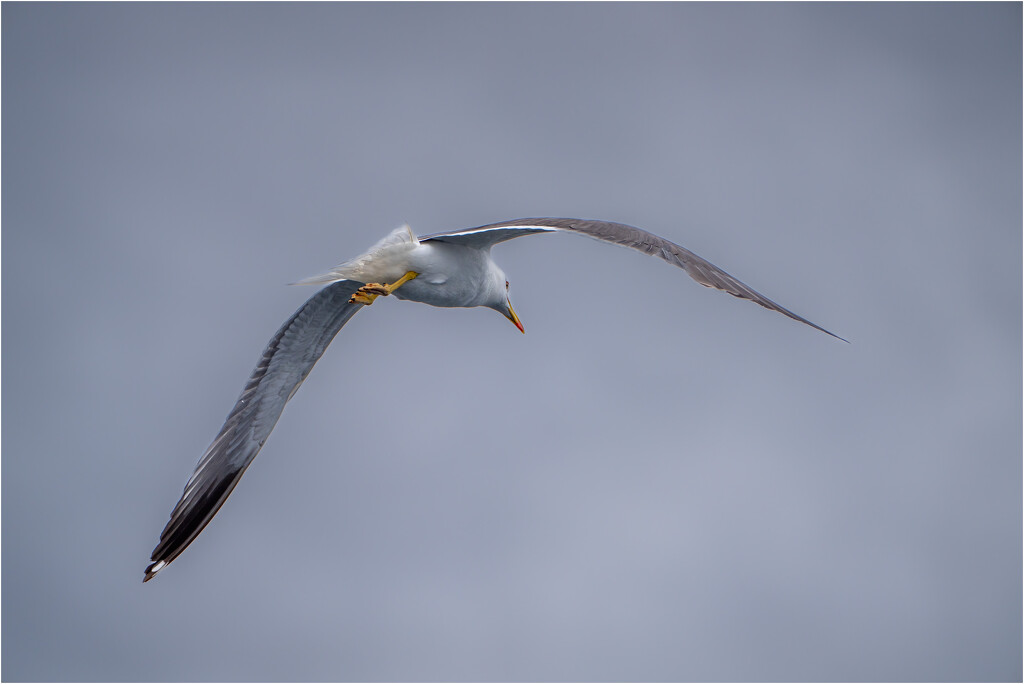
{"x":377,"y":263}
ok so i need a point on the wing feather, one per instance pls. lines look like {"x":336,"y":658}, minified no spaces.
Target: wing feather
{"x":284,"y":365}
{"x":701,"y":270}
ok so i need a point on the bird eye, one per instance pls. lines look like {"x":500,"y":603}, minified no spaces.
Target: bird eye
{"x":506,"y":284}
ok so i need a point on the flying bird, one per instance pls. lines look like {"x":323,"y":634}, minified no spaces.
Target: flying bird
{"x":452,"y":269}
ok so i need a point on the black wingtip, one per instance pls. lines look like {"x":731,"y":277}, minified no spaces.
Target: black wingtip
{"x":152,"y":569}
{"x":841,"y":339}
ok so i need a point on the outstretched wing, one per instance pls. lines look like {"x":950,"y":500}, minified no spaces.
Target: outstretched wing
{"x":704,"y":272}
{"x":285,"y":363}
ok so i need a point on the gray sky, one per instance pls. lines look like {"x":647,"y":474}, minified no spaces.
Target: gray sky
{"x":657,"y":482}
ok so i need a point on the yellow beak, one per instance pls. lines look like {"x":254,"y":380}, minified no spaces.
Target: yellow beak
{"x":515,"y":319}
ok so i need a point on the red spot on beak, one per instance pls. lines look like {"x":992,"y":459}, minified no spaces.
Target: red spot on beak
{"x":515,"y":319}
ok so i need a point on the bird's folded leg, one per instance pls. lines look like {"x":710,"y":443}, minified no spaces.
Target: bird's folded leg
{"x":370,"y":291}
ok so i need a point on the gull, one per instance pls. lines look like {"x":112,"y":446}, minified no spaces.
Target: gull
{"x":452,"y":269}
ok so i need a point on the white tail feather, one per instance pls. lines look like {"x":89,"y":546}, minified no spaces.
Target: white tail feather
{"x":386,"y":260}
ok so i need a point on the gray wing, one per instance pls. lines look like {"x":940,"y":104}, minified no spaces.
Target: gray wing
{"x":285,"y":363}
{"x":704,"y":272}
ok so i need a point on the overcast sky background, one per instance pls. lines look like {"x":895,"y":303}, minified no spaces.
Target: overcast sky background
{"x":656,"y":482}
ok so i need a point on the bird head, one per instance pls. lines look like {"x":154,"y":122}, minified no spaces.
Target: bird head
{"x":510,"y":313}
{"x":499,"y":301}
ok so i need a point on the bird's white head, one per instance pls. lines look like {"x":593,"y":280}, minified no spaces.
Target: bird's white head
{"x":497,"y":297}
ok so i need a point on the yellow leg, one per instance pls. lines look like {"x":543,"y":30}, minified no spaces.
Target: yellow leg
{"x":409,"y":275}
{"x":370,"y":291}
